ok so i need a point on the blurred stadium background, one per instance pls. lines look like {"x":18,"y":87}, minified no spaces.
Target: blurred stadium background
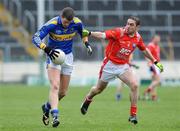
{"x":21,"y":62}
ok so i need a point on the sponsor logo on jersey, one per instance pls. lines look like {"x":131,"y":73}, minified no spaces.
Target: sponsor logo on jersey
{"x":125,"y":51}
{"x":63,"y":37}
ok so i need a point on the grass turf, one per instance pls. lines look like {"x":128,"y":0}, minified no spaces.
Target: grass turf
{"x":20,"y":110}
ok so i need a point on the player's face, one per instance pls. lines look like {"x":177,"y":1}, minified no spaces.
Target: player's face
{"x":65,"y":22}
{"x":157,"y":39}
{"x":131,"y":26}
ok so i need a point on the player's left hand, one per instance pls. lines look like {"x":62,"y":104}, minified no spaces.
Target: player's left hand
{"x":89,"y":49}
{"x":85,"y":33}
{"x":159,"y":65}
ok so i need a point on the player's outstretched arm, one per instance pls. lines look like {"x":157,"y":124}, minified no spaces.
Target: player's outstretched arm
{"x":148,"y":54}
{"x":96,"y":34}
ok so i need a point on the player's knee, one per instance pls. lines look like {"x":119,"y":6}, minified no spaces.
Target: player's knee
{"x":134,"y":86}
{"x":55,"y":85}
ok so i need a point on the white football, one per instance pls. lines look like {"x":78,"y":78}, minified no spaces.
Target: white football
{"x":60,"y":58}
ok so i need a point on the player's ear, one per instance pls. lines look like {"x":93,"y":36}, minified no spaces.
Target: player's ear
{"x":137,"y":27}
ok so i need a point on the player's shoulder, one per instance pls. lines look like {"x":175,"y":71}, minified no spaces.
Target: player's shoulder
{"x":120,"y":31}
{"x":53,"y":21}
{"x":151,"y":44}
{"x":76,"y":20}
{"x":138,"y":35}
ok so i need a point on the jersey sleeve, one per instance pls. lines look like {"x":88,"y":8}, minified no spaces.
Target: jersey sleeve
{"x":141,"y":44}
{"x":43,"y":31}
{"x":112,"y":34}
{"x":80,"y":26}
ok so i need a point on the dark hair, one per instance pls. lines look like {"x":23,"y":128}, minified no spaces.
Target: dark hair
{"x":68,"y":13}
{"x":136,"y":19}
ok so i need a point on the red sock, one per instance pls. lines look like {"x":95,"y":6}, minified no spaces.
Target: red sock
{"x":88,"y":100}
{"x":154,"y":97}
{"x":149,"y":90}
{"x":133,"y":110}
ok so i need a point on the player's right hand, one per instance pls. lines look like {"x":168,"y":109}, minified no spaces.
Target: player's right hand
{"x":159,"y":65}
{"x":88,"y":47}
{"x":50,"y":52}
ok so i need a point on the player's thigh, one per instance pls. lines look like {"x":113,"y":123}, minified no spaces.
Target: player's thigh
{"x":66,"y":71}
{"x":64,"y":82}
{"x":128,"y":78}
{"x":53,"y":76}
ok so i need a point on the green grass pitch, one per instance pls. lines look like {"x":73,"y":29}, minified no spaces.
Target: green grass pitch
{"x":20,"y":110}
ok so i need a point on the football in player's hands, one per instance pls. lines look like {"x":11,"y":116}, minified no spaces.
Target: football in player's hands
{"x":59,"y":58}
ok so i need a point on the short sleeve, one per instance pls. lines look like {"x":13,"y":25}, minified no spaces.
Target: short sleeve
{"x":112,"y":34}
{"x":141,"y":44}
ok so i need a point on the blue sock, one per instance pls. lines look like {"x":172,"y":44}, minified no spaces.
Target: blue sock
{"x":47,"y":106}
{"x":118,"y":97}
{"x":55,"y":113}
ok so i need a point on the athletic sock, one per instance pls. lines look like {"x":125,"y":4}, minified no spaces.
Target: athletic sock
{"x":133,"y":110}
{"x":55,"y":113}
{"x":154,"y":97}
{"x":148,"y":90}
{"x":118,"y":97}
{"x":88,"y":100}
{"x":47,"y":106}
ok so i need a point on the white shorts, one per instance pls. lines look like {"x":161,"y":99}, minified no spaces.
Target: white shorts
{"x":154,"y":69}
{"x":66,"y":68}
{"x":110,"y":71}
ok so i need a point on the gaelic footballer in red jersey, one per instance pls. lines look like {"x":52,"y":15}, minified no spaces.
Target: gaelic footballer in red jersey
{"x":122,"y":42}
{"x":154,"y":48}
{"x":120,"y":45}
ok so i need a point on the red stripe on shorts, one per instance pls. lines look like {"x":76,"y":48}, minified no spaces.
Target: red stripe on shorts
{"x":102,"y":67}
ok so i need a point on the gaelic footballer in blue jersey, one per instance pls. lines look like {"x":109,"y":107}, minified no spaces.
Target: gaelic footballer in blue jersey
{"x":61,"y":30}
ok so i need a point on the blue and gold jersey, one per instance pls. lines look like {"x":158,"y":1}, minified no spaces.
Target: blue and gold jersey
{"x":59,"y":37}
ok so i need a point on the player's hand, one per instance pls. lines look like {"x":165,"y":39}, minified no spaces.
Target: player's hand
{"x":89,"y":49}
{"x":85,"y":33}
{"x":51,"y":53}
{"x":159,"y":65}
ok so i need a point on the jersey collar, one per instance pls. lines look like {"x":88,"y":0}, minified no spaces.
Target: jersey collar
{"x":59,"y":20}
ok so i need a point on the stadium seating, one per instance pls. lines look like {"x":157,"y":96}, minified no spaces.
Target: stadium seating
{"x":167,"y":5}
{"x":134,"y":5}
{"x":175,"y":20}
{"x":101,"y":5}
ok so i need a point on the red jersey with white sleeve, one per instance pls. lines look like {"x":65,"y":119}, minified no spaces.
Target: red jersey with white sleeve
{"x":155,"y":50}
{"x":121,"y":46}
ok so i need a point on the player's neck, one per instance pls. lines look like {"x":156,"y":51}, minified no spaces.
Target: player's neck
{"x":131,"y":35}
